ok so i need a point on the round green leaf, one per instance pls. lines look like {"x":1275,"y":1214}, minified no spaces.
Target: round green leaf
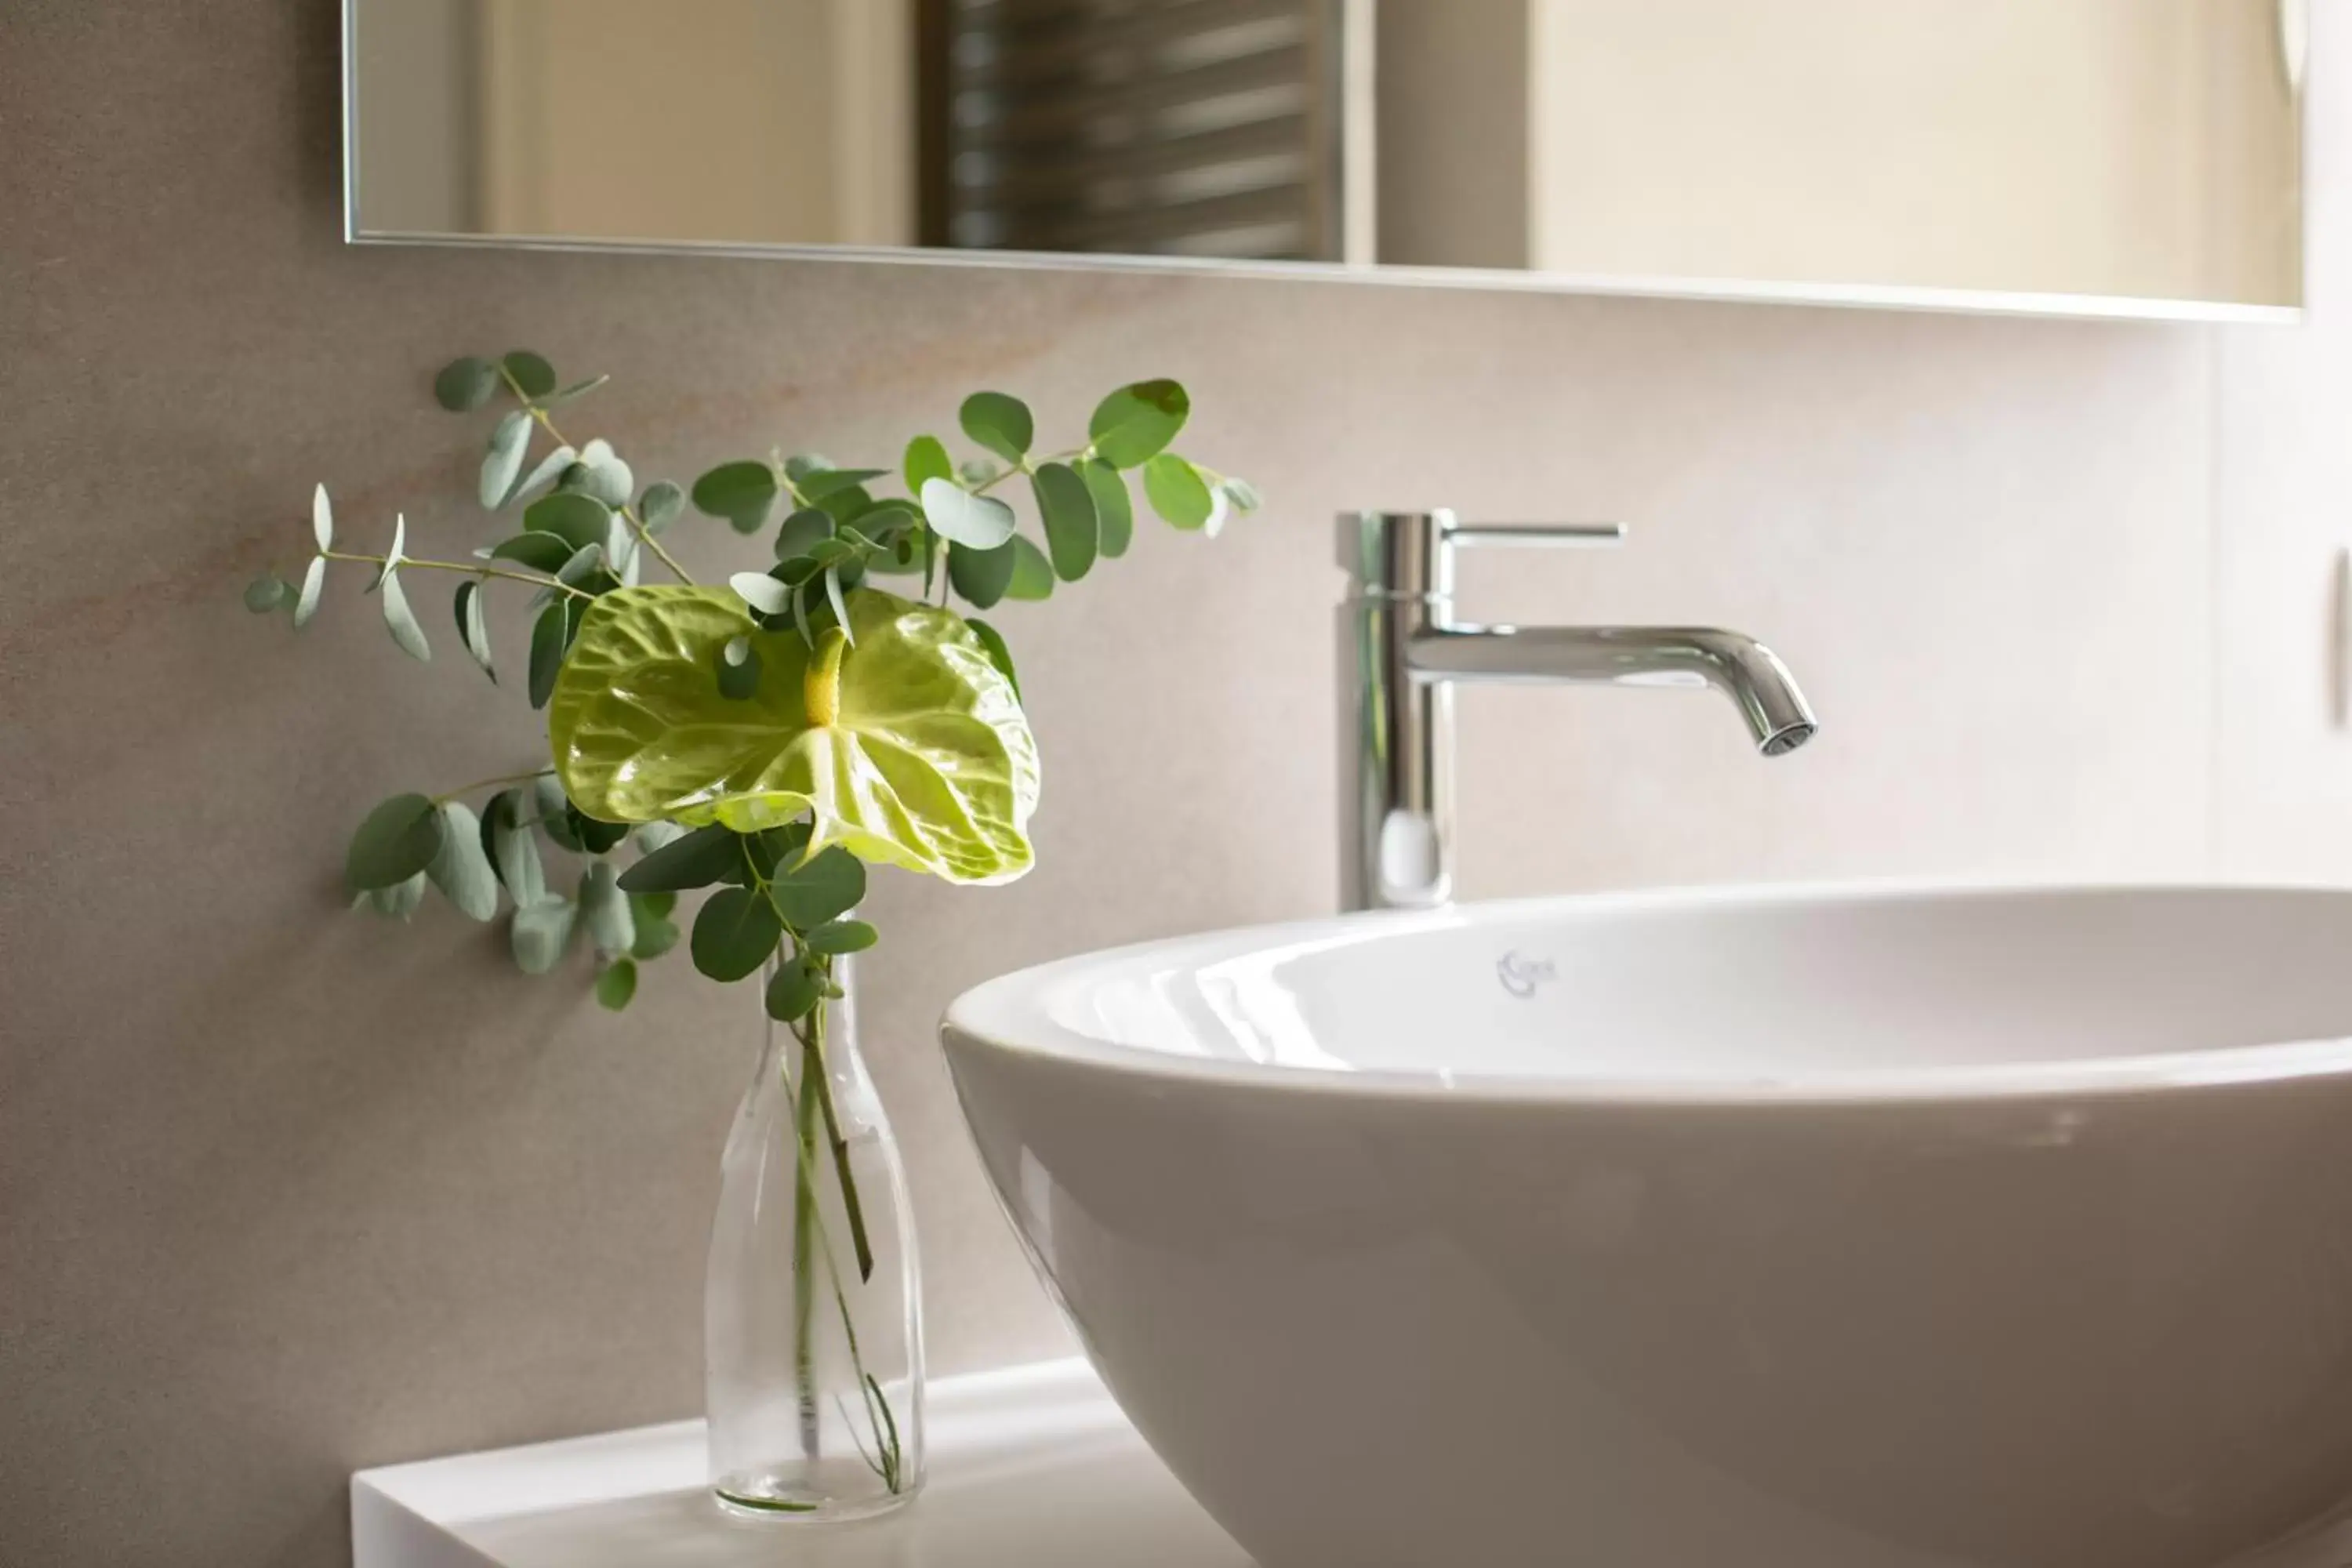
{"x":579,"y":521}
{"x":656,"y":935}
{"x":540,"y":551}
{"x":397,"y":841}
{"x":801,"y":466}
{"x":314,"y":583}
{"x":609,"y":478}
{"x":703,"y":857}
{"x":659,"y":506}
{"x":617,"y":985}
{"x":502,"y":463}
{"x":1136,"y":422}
{"x":1114,"y":511}
{"x":1073,"y":533}
{"x":734,"y":935}
{"x":463,"y":386}
{"x":532,"y":374}
{"x":927,"y":460}
{"x":1032,"y":575}
{"x":981,"y":576}
{"x":792,"y":994}
{"x":1241,"y":493}
{"x":929,"y":765}
{"x":265,"y":593}
{"x":998,"y":653}
{"x":742,"y":493}
{"x":539,"y":934}
{"x":999,"y":421}
{"x":460,"y":869}
{"x":1177,"y":491}
{"x":803,"y":531}
{"x":823,"y":888}
{"x":739,"y":666}
{"x":977,"y":522}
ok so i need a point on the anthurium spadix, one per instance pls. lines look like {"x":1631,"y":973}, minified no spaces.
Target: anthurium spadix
{"x":902,"y":742}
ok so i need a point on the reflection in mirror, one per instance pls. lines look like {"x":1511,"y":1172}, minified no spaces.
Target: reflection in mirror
{"x":2147,"y":152}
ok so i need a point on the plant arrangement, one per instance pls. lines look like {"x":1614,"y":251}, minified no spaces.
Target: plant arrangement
{"x":766,"y":740}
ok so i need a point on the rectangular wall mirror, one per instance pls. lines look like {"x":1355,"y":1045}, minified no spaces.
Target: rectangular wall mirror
{"x":2123,"y":157}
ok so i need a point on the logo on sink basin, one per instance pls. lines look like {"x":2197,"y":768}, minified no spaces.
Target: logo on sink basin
{"x":1521,"y":976}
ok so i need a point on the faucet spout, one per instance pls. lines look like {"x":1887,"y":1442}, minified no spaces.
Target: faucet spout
{"x":1404,"y":650}
{"x":1737,"y":665}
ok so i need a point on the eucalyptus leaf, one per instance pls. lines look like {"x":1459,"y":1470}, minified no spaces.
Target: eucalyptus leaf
{"x":998,"y":653}
{"x":543,"y":473}
{"x":577,"y":389}
{"x":550,"y":635}
{"x":652,"y":906}
{"x":734,"y":933}
{"x":660,"y":505}
{"x":652,"y":836}
{"x":999,"y":421}
{"x":1073,"y":533}
{"x":929,"y":764}
{"x":704,"y":857}
{"x":460,"y":869}
{"x":803,"y":465}
{"x":981,"y":576}
{"x":616,"y":986}
{"x":977,"y":471}
{"x":656,"y":934}
{"x":803,"y":531}
{"x":742,"y":493}
{"x":394,"y":556}
{"x":514,"y":850}
{"x":472,"y":627}
{"x":977,"y":522}
{"x":1241,"y":493}
{"x":834,"y":599}
{"x":314,"y":583}
{"x":793,"y":992}
{"x":1177,"y":491}
{"x":1136,"y":422}
{"x":610,"y":479}
{"x":398,"y":840}
{"x":401,"y":621}
{"x":400,"y":900}
{"x":592,"y":836}
{"x":827,"y":482}
{"x":612,"y":925}
{"x":762,"y":591}
{"x":837,"y":937}
{"x":585,"y":562}
{"x":464,"y":385}
{"x":540,"y":551}
{"x":323,"y":520}
{"x":1114,"y":509}
{"x":927,"y":458}
{"x":502,"y":464}
{"x":265,"y":593}
{"x":541,"y":934}
{"x":579,"y":521}
{"x":1032,"y":575}
{"x":533,"y":377}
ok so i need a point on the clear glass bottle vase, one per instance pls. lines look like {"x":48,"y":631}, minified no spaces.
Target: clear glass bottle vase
{"x":813,"y":1311}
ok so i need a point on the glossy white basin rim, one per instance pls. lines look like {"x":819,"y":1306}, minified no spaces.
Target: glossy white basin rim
{"x":1734,"y":996}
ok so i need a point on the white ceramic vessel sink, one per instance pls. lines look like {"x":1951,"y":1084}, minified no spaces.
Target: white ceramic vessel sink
{"x":1891,"y":1229}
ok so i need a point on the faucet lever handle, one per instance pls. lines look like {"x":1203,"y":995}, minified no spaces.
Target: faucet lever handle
{"x":1541,"y":535}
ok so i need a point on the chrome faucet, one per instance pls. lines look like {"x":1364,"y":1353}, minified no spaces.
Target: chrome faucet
{"x":1402,"y":652}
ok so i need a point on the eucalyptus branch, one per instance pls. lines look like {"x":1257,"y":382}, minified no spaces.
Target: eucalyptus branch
{"x":475,"y":570}
{"x":628,"y":511}
{"x":464,"y":790}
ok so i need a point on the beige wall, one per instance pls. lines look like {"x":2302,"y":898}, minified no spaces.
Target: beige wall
{"x":283,"y":1192}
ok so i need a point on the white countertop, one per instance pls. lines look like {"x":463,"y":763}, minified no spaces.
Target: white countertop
{"x":1031,"y":1467}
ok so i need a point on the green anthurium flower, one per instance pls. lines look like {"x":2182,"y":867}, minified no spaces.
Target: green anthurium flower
{"x":903,"y":743}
